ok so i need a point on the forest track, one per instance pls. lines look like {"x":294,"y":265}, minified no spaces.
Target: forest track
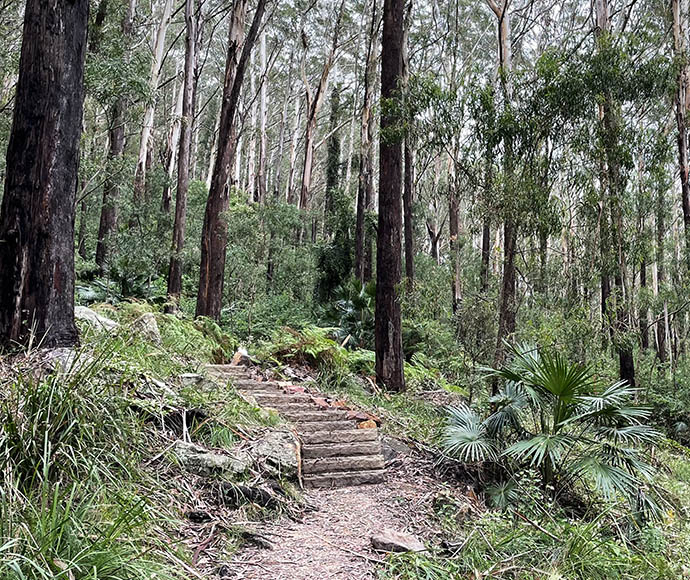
{"x":334,"y":451}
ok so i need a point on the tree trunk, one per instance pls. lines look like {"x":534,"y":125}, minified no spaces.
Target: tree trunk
{"x":185,"y":149}
{"x":107,"y":227}
{"x":314,"y":101}
{"x":486,"y":227}
{"x":366,"y":169}
{"x":252,"y":191}
{"x":454,"y":225}
{"x":388,"y":326}
{"x":215,"y":232}
{"x":507,"y":305}
{"x":661,"y":326}
{"x":644,"y":318}
{"x":81,"y":237}
{"x":408,"y":189}
{"x":38,"y":206}
{"x":612,"y":195}
{"x":172,"y":148}
{"x":290,"y":186}
{"x":281,"y":139}
{"x":679,"y":9}
{"x":263,"y":121}
{"x":332,"y":162}
{"x":149,"y":115}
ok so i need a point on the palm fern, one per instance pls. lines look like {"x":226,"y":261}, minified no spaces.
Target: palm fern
{"x":553,"y":415}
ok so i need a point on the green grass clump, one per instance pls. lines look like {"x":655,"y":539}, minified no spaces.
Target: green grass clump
{"x":73,"y":499}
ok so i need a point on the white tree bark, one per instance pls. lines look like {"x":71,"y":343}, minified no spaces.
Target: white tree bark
{"x":149,"y":116}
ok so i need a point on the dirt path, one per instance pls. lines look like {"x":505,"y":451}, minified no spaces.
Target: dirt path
{"x":333,"y":540}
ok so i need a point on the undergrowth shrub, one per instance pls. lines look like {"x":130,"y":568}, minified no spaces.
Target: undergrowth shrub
{"x":556,"y":417}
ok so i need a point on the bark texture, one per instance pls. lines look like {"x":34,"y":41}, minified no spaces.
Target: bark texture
{"x":388,"y":332}
{"x":38,"y":206}
{"x":185,"y":149}
{"x":365,"y":182}
{"x":214,"y":234}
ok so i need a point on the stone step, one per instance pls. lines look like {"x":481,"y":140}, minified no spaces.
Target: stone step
{"x":340,"y":436}
{"x":321,"y":426}
{"x":273,"y":398}
{"x":344,"y":478}
{"x":353,"y":463}
{"x":254,"y":385}
{"x":314,"y":416}
{"x":341,"y":449}
{"x":290,"y":409}
{"x":227,"y":370}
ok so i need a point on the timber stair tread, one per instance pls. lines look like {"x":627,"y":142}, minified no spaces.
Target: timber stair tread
{"x":335,"y":451}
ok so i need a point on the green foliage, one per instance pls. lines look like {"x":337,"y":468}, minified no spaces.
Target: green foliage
{"x":68,"y":531}
{"x":502,"y":545}
{"x":335,"y":256}
{"x":352,"y":311}
{"x":554,"y":416}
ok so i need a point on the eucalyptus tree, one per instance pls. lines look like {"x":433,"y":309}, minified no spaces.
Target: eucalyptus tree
{"x":679,"y":9}
{"x":365,"y":180}
{"x":107,"y":229}
{"x":214,"y":234}
{"x":192,"y":15}
{"x":388,"y":323}
{"x":37,"y":213}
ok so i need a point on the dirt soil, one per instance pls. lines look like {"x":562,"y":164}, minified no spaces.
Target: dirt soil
{"x":333,"y":539}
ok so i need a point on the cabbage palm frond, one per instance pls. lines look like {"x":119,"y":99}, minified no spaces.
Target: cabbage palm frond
{"x":608,"y":479}
{"x":466,"y":436}
{"x":539,"y":448}
{"x":547,"y":375}
{"x":508,"y":404}
{"x":628,"y":434}
{"x":616,"y":395}
{"x":627,"y":458}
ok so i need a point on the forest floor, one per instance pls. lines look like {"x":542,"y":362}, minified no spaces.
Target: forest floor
{"x":332,"y":539}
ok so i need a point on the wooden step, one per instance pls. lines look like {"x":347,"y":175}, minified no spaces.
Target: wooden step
{"x":353,"y":463}
{"x":341,"y":449}
{"x":344,"y":478}
{"x":321,"y":426}
{"x":349,"y":436}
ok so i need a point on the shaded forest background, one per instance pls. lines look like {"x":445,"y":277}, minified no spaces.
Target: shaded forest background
{"x":543,"y":194}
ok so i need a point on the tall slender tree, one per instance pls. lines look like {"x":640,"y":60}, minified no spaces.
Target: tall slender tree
{"x":38,"y":206}
{"x":679,"y":8}
{"x":388,"y":325}
{"x":214,"y":234}
{"x":365,"y":182}
{"x":192,"y":13}
{"x":107,"y":227}
{"x":507,"y":305}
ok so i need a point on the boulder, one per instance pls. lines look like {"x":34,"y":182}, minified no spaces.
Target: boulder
{"x":191,"y":379}
{"x":394,"y":448}
{"x":277,"y":451}
{"x":62,"y":359}
{"x":392,"y":541}
{"x":94,"y":320}
{"x":203,"y":462}
{"x":147,"y":327}
{"x":196,"y":381}
{"x":241,"y":358}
